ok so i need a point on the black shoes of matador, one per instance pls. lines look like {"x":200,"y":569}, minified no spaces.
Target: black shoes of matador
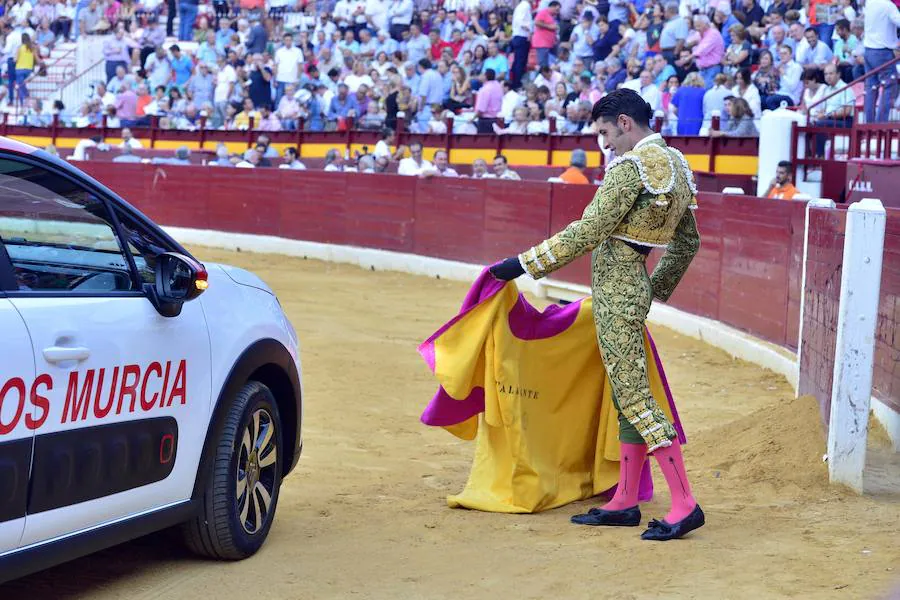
{"x":658,"y":531}
{"x":629,"y":517}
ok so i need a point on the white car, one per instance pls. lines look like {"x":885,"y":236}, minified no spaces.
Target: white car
{"x":129,"y":402}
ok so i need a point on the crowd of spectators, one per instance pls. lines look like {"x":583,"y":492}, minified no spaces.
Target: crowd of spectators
{"x":488,"y":66}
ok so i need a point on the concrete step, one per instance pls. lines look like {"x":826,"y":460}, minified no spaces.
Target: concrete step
{"x":62,"y":73}
{"x":36,"y":86}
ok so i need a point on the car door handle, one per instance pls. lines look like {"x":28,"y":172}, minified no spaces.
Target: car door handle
{"x":55,"y":354}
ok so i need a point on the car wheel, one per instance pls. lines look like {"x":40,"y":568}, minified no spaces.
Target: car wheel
{"x":239,"y":501}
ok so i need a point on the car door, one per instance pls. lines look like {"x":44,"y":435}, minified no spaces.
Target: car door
{"x":17,"y":420}
{"x":130,"y":389}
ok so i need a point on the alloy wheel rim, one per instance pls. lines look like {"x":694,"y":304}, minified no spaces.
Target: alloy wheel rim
{"x":256,"y":469}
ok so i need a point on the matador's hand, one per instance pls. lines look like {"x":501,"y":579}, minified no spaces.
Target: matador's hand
{"x":507,"y":269}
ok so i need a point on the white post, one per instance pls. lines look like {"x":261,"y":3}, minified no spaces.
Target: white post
{"x":775,"y":144}
{"x":818,"y":203}
{"x":855,"y":348}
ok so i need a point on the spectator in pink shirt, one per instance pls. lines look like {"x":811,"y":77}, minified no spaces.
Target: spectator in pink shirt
{"x":267,"y":120}
{"x":545,"y":28}
{"x":126,"y":105}
{"x":586,"y":91}
{"x":488,"y":102}
{"x":709,"y":51}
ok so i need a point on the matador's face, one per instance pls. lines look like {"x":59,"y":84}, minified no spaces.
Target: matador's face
{"x":611,"y":136}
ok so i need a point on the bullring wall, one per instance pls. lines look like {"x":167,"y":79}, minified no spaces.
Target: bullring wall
{"x":823,"y":287}
{"x":747,"y":275}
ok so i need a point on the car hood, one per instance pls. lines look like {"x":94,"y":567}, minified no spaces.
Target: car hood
{"x":244,"y":277}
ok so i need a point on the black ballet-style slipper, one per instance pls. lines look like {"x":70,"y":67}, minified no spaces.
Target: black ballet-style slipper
{"x":660,"y":531}
{"x":629,"y":517}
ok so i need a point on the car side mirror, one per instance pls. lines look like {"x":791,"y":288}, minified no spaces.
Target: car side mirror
{"x":179,"y":279}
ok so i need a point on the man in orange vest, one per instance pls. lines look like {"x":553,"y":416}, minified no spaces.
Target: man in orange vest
{"x":781,"y":187}
{"x":575,"y":173}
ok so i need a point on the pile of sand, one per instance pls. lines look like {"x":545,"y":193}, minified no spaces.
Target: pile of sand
{"x":781,"y":446}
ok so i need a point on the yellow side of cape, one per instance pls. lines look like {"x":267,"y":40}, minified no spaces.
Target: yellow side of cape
{"x":548,"y":435}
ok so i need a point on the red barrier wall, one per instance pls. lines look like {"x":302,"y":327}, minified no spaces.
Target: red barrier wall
{"x":868,"y":178}
{"x":746,"y":275}
{"x":820,"y":315}
{"x":886,"y":376}
{"x":823,"y":268}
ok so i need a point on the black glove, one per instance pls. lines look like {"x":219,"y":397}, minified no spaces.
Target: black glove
{"x":508,"y":269}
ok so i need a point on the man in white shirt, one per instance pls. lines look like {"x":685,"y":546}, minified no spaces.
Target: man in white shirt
{"x":400,"y":14}
{"x":796,"y":39}
{"x":291,"y":161}
{"x":649,"y":91}
{"x":836,"y":111}
{"x":20,"y":12}
{"x":502,"y":170}
{"x":385,"y":43}
{"x":327,"y":27}
{"x":418,"y":46}
{"x":342,"y":16}
{"x":128,"y":140}
{"x":583,"y":36}
{"x":383,"y":147}
{"x":225,"y":80}
{"x":451,"y":24}
{"x":249,"y":161}
{"x":334,"y":160}
{"x":790,"y":85}
{"x":511,"y":101}
{"x":882,"y":18}
{"x":358,"y":77}
{"x":106,"y":97}
{"x":522,"y":28}
{"x":13,"y":41}
{"x":415,"y":164}
{"x":288,"y":60}
{"x":158,"y":68}
{"x":480,"y":170}
{"x":377,"y":14}
{"x":441,"y":167}
{"x":358,"y":14}
{"x":674,"y":33}
{"x":815,"y":54}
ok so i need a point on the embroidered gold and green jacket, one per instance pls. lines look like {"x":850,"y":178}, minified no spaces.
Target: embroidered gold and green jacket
{"x":645,"y":198}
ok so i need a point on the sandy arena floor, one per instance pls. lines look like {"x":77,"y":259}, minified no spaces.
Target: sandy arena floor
{"x":364,"y":515}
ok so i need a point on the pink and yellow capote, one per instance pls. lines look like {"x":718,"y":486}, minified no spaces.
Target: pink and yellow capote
{"x":530,"y":388}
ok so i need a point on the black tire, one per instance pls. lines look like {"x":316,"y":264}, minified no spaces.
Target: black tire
{"x":219,"y":531}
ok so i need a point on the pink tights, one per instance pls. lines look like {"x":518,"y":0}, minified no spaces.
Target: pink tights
{"x":671,"y":463}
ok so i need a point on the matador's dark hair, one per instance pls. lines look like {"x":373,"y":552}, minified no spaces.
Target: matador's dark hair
{"x":622,"y":102}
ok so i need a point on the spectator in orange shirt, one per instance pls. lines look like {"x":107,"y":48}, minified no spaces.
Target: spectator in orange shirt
{"x":143,"y":99}
{"x":781,"y":187}
{"x":575,"y":173}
